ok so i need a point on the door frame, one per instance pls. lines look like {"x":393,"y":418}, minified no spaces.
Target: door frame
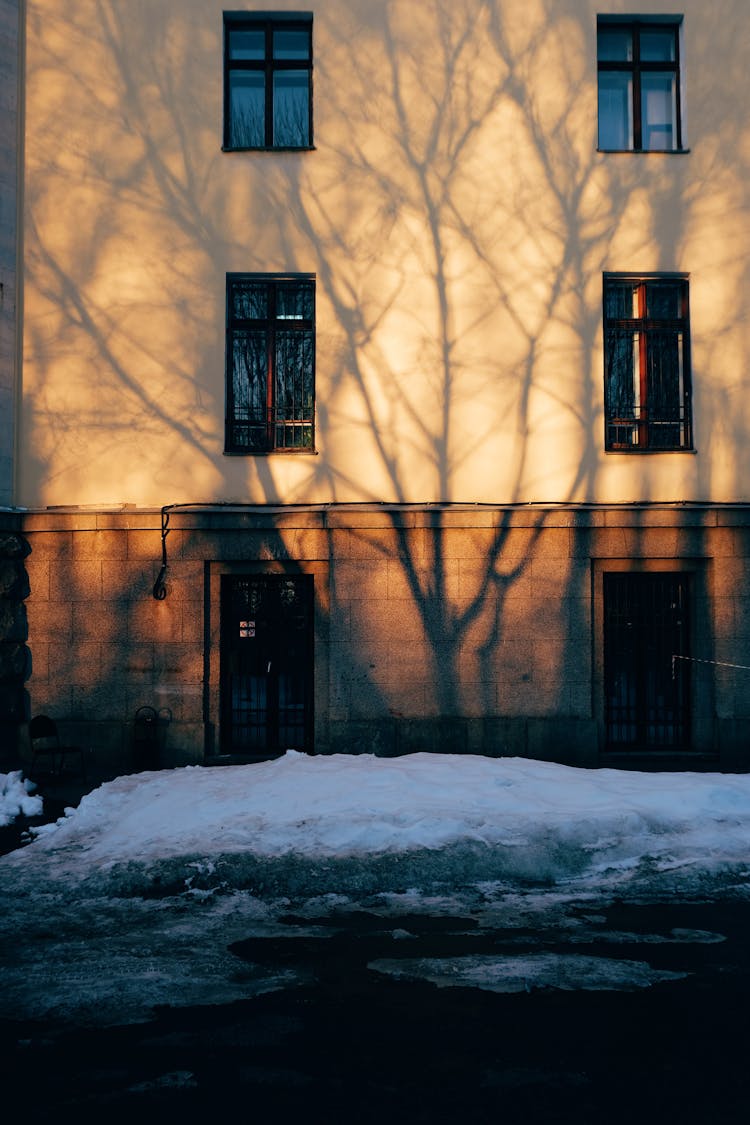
{"x":232,"y":647}
{"x":639,"y":651}
{"x":701,"y":684}
{"x":215,"y":570}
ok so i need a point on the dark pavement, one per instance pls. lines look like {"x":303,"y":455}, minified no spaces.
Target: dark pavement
{"x":354,"y":1045}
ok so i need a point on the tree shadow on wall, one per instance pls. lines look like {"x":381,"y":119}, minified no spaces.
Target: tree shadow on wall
{"x":461,"y":288}
{"x":458,"y":218}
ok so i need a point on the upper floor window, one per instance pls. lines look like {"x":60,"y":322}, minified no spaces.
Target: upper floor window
{"x":639,"y":85}
{"x":270,"y":396}
{"x":646,"y":363}
{"x":267,"y":80}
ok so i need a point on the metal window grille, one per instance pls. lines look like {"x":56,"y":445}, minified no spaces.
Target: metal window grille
{"x":647,"y":385}
{"x":270,"y":364}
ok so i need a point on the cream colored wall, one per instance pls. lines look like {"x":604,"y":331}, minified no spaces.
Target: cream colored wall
{"x":458,"y":218}
{"x":9,"y":169}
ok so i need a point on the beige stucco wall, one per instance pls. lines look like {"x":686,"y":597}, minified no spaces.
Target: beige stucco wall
{"x":458,"y":218}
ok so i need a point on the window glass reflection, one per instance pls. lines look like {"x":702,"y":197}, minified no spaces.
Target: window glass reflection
{"x":615,"y":110}
{"x":658,"y":110}
{"x":291,"y":107}
{"x":247,"y":101}
{"x":291,"y":44}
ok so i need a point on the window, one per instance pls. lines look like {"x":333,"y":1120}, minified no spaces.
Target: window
{"x":639,"y":85}
{"x":270,"y":363}
{"x":646,"y":363}
{"x":646,"y":661}
{"x":267,"y":80}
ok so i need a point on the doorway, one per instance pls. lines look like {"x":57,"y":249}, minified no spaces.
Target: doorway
{"x":647,"y":702}
{"x":266,"y":664}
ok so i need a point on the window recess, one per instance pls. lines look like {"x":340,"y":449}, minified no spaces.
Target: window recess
{"x":270,"y":391}
{"x":267,"y":80}
{"x":647,"y":386}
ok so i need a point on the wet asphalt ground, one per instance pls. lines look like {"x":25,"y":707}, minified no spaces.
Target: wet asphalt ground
{"x":350,"y":1044}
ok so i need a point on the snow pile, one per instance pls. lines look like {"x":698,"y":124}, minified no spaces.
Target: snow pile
{"x":567,"y":972}
{"x":165,"y":888}
{"x":301,"y":821}
{"x":16,"y":799}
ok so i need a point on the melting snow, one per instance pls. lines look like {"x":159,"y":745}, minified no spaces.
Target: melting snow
{"x":16,"y":798}
{"x":440,"y":816}
{"x":135,"y":897}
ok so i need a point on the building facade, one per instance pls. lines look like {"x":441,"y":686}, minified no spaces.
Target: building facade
{"x":381,"y":379}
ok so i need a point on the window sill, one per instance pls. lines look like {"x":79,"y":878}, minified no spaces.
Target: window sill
{"x":644,"y":151}
{"x":270,"y":453}
{"x":646,"y":452}
{"x":270,"y":148}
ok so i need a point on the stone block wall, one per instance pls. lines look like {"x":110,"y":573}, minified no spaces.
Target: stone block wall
{"x":15,"y":663}
{"x":102,"y":646}
{"x":473,"y":630}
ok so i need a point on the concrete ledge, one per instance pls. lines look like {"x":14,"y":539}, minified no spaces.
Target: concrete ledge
{"x":364,"y":516}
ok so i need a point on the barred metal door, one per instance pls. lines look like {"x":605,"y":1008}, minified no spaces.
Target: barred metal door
{"x":646,"y":691}
{"x":266,"y":664}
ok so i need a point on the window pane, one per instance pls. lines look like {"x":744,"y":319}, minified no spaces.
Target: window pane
{"x":293,"y":409}
{"x":291,"y":108}
{"x":615,"y":110}
{"x":247,"y":44}
{"x":249,"y":300}
{"x":294,"y":302}
{"x":622,"y":370}
{"x":658,"y":111}
{"x":658,"y":45}
{"x":247,"y":100}
{"x":294,"y":375}
{"x":664,"y":351}
{"x":614,"y":44}
{"x":291,"y":44}
{"x":621,"y":300}
{"x":663,"y":302}
{"x":249,"y":369}
{"x":665,"y":390}
{"x":622,"y":389}
{"x":249,"y":389}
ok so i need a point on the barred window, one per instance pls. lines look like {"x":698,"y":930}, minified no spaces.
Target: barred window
{"x":270,"y":363}
{"x":646,"y":661}
{"x":267,"y":80}
{"x":647,"y":363}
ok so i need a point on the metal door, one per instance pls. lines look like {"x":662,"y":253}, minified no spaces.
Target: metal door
{"x":266,"y":664}
{"x":646,"y":673}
